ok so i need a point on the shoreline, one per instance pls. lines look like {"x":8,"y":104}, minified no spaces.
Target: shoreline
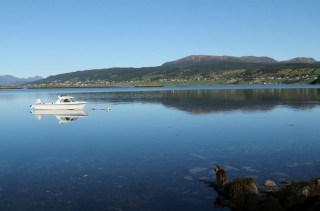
{"x":168,"y":86}
{"x":10,"y":87}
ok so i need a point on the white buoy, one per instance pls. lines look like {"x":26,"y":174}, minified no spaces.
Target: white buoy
{"x":108,"y":109}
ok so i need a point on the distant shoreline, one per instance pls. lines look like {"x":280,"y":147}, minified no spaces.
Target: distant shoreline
{"x":147,"y":86}
{"x":69,"y":87}
{"x":10,"y":87}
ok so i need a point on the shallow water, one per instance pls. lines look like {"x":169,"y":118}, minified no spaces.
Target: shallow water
{"x":155,"y":145}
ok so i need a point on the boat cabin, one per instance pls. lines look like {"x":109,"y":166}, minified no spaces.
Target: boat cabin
{"x":63,"y":102}
{"x":65,"y":99}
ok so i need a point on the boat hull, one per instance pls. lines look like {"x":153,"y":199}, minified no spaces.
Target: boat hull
{"x":61,"y":112}
{"x":69,"y":106}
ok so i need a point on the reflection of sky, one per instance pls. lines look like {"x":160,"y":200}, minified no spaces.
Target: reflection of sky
{"x":145,"y":122}
{"x":154,"y":121}
{"x":141,"y":138}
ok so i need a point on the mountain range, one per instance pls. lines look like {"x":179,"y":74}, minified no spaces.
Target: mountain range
{"x":9,"y":80}
{"x":216,"y":69}
{"x":195,"y":60}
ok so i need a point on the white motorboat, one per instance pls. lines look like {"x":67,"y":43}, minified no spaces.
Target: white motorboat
{"x":63,"y":102}
{"x":63,"y":116}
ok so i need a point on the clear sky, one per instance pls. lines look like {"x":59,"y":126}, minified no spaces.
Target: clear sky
{"x":49,"y":37}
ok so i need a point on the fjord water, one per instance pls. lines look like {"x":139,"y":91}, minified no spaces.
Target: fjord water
{"x":154,"y":148}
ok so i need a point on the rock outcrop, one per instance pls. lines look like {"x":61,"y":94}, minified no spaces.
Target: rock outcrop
{"x":243,"y":194}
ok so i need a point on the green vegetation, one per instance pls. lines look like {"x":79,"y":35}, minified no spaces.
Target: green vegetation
{"x":210,"y":74}
{"x":149,"y":84}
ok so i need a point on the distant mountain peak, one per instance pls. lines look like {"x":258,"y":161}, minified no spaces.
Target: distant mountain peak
{"x":301,"y":60}
{"x":9,"y":80}
{"x":256,"y":59}
{"x":194,"y":60}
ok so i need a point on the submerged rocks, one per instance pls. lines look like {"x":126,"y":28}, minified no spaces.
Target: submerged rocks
{"x":243,"y":194}
{"x":298,"y":193}
{"x":197,"y":170}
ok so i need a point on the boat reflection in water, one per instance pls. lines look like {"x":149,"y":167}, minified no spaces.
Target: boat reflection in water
{"x":63,"y":116}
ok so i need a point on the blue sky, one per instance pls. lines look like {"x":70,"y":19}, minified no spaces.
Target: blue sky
{"x":49,"y":37}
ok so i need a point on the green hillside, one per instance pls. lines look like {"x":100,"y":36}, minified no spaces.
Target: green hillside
{"x":222,"y":72}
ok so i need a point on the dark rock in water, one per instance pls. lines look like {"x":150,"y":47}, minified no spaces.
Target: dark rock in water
{"x":270,"y":203}
{"x":297,"y":193}
{"x":222,"y":202}
{"x":242,"y":189}
{"x":239,"y":194}
{"x":310,"y":204}
{"x":243,"y":194}
{"x":221,"y":175}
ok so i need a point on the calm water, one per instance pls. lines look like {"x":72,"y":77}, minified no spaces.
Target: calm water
{"x":153,"y":148}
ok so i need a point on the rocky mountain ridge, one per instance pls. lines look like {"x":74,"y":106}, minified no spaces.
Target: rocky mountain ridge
{"x":195,"y":60}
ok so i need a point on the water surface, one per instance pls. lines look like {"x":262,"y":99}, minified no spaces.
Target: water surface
{"x":155,"y":145}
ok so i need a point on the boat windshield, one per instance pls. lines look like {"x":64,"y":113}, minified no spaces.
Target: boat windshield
{"x":66,"y":100}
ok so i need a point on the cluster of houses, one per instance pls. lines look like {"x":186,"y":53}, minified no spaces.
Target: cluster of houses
{"x":214,"y":78}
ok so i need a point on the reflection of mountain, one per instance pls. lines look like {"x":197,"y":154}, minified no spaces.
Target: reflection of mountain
{"x":246,"y":99}
{"x":63,"y":116}
{"x":207,"y":101}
